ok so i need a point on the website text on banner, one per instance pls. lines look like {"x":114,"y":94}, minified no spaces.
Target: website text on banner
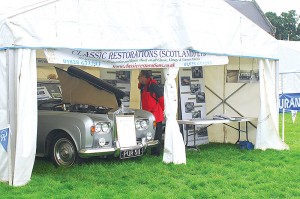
{"x":289,"y":101}
{"x":133,"y":59}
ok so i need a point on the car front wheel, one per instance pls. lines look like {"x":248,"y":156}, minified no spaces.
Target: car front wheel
{"x":63,"y":151}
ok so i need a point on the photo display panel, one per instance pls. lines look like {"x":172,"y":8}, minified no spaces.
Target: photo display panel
{"x":119,"y":79}
{"x":192,"y":103}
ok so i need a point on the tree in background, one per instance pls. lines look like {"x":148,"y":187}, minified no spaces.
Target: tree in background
{"x":287,"y":25}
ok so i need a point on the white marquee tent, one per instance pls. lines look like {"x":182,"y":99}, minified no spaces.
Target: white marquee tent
{"x":208,"y":26}
{"x":289,"y":78}
{"x":289,"y":66}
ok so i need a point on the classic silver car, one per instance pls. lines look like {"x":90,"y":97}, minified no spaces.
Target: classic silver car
{"x":81,"y":116}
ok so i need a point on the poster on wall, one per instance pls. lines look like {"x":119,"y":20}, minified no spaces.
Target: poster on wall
{"x":242,"y":76}
{"x":123,"y":76}
{"x":119,"y":79}
{"x":157,"y":75}
{"x":192,"y":95}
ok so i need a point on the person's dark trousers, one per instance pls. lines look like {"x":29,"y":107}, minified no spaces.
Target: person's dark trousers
{"x":158,"y":136}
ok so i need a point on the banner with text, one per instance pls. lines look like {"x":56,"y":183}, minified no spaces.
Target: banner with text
{"x":133,"y":59}
{"x":289,"y":101}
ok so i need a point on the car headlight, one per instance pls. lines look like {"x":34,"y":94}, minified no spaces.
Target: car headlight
{"x":141,"y":124}
{"x":97,"y":128}
{"x":101,"y":127}
{"x":105,"y":127}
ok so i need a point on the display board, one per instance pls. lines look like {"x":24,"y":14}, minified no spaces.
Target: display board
{"x":192,"y":102}
{"x":242,"y":76}
{"x":119,"y":79}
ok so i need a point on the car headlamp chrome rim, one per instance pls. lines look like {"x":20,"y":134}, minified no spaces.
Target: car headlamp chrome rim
{"x":141,"y":124}
{"x":101,"y":127}
{"x":97,"y":128}
{"x":105,"y":127}
{"x":144,"y":124}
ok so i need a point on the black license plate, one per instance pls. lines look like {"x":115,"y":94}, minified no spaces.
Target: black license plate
{"x":131,"y":153}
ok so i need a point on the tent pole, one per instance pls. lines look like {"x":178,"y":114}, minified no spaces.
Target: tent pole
{"x":277,"y":95}
{"x":282,"y":134}
{"x":223,"y":103}
{"x":12,"y":109}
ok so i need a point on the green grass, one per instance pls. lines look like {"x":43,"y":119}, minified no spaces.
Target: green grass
{"x":216,"y":171}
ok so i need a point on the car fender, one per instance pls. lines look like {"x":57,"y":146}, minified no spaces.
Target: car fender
{"x":76,"y":125}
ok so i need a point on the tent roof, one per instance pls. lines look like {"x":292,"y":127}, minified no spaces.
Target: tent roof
{"x":251,"y":9}
{"x":208,"y":26}
{"x":289,"y":54}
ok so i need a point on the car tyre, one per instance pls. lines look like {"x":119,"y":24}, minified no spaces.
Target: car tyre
{"x":63,"y":151}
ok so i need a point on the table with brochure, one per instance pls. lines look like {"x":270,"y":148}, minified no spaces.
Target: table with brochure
{"x":216,"y":120}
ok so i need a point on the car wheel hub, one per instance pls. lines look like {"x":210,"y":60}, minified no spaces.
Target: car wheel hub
{"x":64,"y":152}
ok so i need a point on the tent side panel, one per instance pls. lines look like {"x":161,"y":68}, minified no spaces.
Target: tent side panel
{"x":214,"y":91}
{"x":23,"y":106}
{"x":289,"y":83}
{"x":240,"y":99}
{"x":3,"y":116}
{"x":267,"y":129}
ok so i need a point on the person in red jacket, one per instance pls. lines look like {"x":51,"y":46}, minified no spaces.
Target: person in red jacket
{"x":152,"y":100}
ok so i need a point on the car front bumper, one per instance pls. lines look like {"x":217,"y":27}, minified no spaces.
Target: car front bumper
{"x":92,"y":152}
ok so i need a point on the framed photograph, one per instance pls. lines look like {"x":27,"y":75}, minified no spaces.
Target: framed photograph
{"x":200,"y":97}
{"x":244,"y":76}
{"x":197,"y":72}
{"x":195,"y":88}
{"x":123,"y":76}
{"x":201,"y":132}
{"x":196,"y":114}
{"x":232,"y":76}
{"x":185,"y":81}
{"x":189,"y":107}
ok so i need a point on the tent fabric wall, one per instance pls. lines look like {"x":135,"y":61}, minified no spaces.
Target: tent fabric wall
{"x":114,"y":24}
{"x":21,"y":99}
{"x":231,"y":99}
{"x":267,"y":130}
{"x":289,"y":67}
{"x":289,"y":83}
{"x":174,"y":150}
{"x":4,"y":173}
{"x":289,"y":57}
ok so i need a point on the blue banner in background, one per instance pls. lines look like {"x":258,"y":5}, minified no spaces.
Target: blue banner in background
{"x":289,"y":101}
{"x":4,"y":137}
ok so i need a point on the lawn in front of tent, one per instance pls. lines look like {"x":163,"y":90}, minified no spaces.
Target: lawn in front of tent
{"x":216,"y":171}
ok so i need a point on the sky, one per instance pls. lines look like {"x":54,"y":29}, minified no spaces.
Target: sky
{"x":279,"y":6}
